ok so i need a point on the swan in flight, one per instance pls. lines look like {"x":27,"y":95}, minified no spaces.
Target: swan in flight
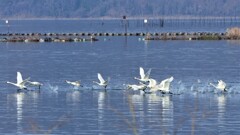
{"x":220,"y":86}
{"x":102,"y":82}
{"x":141,"y":86}
{"x":143,"y":77}
{"x":164,"y":86}
{"x":75,"y":84}
{"x":20,"y":82}
{"x":37,"y":84}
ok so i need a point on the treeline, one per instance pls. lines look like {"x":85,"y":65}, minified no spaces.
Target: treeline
{"x":116,"y":8}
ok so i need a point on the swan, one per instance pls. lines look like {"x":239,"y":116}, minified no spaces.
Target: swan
{"x":220,"y":86}
{"x":76,"y":83}
{"x":143,"y":77}
{"x":20,"y":82}
{"x":164,"y":86}
{"x":37,"y":84}
{"x":101,"y":82}
{"x":141,"y":86}
{"x":152,"y":85}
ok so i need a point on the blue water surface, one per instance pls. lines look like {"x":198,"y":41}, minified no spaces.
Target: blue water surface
{"x":60,"y":109}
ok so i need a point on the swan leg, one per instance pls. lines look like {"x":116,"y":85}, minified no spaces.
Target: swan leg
{"x":39,"y":89}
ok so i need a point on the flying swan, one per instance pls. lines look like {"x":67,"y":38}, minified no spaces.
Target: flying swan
{"x":75,"y":84}
{"x":143,"y":77}
{"x":101,"y":82}
{"x":220,"y":86}
{"x":20,"y":82}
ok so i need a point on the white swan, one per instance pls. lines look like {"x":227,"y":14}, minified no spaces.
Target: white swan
{"x":143,"y":77}
{"x":220,"y":86}
{"x":37,"y":84}
{"x":101,"y":82}
{"x":152,"y":85}
{"x":164,"y":86}
{"x":20,"y":82}
{"x":141,"y":86}
{"x":76,"y":83}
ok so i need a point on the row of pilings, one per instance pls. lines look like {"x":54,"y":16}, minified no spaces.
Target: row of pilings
{"x":82,"y":37}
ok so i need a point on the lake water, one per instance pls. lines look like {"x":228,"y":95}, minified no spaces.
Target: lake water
{"x":61,"y":109}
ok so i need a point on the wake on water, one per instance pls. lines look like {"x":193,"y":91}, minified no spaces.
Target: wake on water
{"x":177,"y":87}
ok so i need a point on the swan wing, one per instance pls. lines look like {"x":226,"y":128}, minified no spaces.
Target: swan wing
{"x":19,"y":78}
{"x":221,"y":84}
{"x":148,"y":73}
{"x":100,"y":78}
{"x":25,"y":81}
{"x":142,"y":74}
{"x":165,"y":84}
{"x":152,"y":83}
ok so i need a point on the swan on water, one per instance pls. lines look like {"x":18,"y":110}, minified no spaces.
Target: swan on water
{"x":20,"y":82}
{"x":220,"y":86}
{"x":144,"y":77}
{"x":152,"y":85}
{"x":164,"y":86}
{"x":76,"y":83}
{"x":37,"y":84}
{"x":141,"y":86}
{"x":102,"y":82}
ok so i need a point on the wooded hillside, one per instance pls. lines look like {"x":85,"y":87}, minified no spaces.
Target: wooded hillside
{"x":116,"y":8}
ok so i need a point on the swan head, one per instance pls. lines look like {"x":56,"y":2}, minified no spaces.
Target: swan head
{"x":129,"y":87}
{"x":225,"y":90}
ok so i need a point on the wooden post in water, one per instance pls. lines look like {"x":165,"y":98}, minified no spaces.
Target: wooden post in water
{"x":7,"y":22}
{"x":146,"y":25}
{"x":125,"y":24}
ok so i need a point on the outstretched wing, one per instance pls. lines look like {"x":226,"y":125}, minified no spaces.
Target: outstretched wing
{"x":100,"y":78}
{"x":25,"y":81}
{"x":142,"y":74}
{"x":19,"y":78}
{"x":152,"y":82}
{"x":148,"y":74}
{"x":165,"y":84}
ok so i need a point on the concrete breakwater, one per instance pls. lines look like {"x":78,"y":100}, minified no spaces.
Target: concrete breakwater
{"x":82,"y":37}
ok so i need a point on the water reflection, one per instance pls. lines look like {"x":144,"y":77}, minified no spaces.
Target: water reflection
{"x":19,"y":99}
{"x":73,"y":96}
{"x":137,"y":101}
{"x":167,"y":114}
{"x":154,"y":103}
{"x":101,"y":105}
{"x":221,"y":99}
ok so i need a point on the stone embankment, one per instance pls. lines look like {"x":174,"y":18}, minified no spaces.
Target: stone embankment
{"x":82,"y":37}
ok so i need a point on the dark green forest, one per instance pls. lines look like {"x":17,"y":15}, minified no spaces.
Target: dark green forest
{"x":116,"y":8}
